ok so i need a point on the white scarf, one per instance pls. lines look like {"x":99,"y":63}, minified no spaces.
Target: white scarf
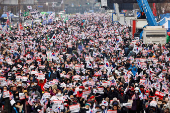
{"x":20,"y":107}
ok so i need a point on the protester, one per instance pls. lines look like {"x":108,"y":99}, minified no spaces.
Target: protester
{"x":86,"y":64}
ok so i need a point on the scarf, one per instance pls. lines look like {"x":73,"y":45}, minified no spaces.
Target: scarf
{"x":20,"y":108}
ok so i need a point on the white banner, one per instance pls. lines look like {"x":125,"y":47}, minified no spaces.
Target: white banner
{"x":21,"y":96}
{"x":6,"y":94}
{"x":46,"y":95}
{"x":74,"y":108}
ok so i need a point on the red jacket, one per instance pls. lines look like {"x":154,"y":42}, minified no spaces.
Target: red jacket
{"x":79,"y":94}
{"x":42,"y":84}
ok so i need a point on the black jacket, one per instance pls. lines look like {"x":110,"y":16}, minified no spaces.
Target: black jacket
{"x":55,"y":75}
{"x":112,"y":94}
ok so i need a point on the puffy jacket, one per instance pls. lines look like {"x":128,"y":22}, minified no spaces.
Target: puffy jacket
{"x":133,"y":69}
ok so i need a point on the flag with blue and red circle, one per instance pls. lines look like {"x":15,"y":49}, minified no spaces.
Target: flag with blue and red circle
{"x":107,"y":64}
{"x":53,"y":54}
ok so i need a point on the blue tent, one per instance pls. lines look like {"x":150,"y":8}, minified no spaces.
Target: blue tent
{"x":49,"y":12}
{"x":4,"y":16}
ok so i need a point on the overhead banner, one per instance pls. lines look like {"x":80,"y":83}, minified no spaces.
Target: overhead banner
{"x":104,"y":3}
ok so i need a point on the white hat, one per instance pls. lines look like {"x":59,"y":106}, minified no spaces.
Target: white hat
{"x":137,"y":88}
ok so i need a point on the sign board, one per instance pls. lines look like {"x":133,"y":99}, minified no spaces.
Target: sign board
{"x":74,"y":108}
{"x":138,"y":14}
{"x":122,"y":19}
{"x":40,"y":6}
{"x":114,"y":17}
{"x":6,"y":94}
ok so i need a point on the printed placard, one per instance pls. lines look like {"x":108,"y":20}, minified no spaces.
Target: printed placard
{"x":12,"y":102}
{"x":6,"y":94}
{"x":21,"y":96}
{"x":86,"y":92}
{"x":18,"y":78}
{"x":29,"y":61}
{"x":24,"y":78}
{"x":41,"y":66}
{"x":100,"y":90}
{"x":58,"y":102}
{"x":41,"y":77}
{"x":74,"y":108}
{"x":111,"y":111}
{"x":46,"y":95}
{"x":2,"y":78}
{"x":128,"y":105}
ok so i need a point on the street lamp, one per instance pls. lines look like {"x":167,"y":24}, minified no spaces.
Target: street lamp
{"x":47,"y":5}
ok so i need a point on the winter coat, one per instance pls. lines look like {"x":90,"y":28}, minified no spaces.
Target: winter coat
{"x":133,"y":69}
{"x":36,"y":93}
{"x":137,"y":104}
{"x":54,"y":75}
{"x":112,"y":94}
{"x":42,"y":84}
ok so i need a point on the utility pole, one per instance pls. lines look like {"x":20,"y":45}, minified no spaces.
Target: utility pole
{"x":19,"y":9}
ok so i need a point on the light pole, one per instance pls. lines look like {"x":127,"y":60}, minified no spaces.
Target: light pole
{"x":19,"y":9}
{"x":47,"y":5}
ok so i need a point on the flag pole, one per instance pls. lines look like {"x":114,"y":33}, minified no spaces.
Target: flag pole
{"x":149,"y":75}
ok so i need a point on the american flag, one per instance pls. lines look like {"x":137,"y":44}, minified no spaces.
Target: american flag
{"x":46,"y":102}
{"x":144,"y":97}
{"x":30,"y":101}
{"x":164,"y":87}
{"x":11,"y":97}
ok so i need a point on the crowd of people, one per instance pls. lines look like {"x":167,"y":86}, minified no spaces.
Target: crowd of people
{"x":87,"y":64}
